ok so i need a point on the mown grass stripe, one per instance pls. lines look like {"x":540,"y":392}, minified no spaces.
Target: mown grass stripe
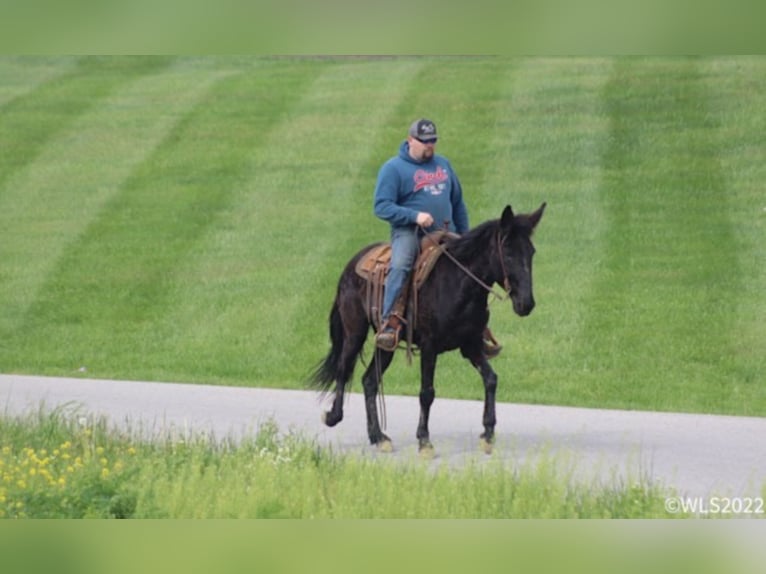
{"x":20,"y":75}
{"x":50,"y":203}
{"x":27,"y":123}
{"x":737,"y":88}
{"x":111,"y":287}
{"x":662,"y":305}
{"x":548,"y":140}
{"x":266,"y":262}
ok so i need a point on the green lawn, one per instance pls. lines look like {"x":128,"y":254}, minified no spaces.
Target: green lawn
{"x":186,"y":219}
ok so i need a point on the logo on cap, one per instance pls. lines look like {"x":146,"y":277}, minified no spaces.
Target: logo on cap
{"x":427,"y":129}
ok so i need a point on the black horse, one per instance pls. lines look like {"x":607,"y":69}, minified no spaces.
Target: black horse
{"x":451,"y":314}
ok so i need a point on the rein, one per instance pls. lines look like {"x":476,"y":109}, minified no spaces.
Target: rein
{"x":506,"y":281}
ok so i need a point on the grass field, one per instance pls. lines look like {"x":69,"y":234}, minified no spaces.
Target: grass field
{"x":186,"y":219}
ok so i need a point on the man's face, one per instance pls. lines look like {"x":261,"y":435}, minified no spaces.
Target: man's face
{"x":422,"y":150}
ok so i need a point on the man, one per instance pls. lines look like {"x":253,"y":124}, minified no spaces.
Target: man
{"x":417,"y":192}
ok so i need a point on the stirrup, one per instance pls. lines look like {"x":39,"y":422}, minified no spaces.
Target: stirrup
{"x":387,"y":339}
{"x":491,"y":347}
{"x":491,"y":350}
{"x":388,"y":336}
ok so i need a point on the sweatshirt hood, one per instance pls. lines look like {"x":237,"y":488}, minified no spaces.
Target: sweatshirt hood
{"x":404,"y":153}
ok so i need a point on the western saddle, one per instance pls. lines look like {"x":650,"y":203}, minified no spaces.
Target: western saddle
{"x":373,"y":266}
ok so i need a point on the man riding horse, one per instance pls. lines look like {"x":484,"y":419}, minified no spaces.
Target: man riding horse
{"x":417,"y":192}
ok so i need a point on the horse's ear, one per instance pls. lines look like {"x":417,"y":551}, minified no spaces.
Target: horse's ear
{"x":535,"y":217}
{"x":506,"y":220}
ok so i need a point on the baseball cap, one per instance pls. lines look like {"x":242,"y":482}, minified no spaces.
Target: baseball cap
{"x":423,"y":129}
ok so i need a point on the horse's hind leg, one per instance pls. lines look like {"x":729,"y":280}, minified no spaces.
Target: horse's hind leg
{"x":371,"y":383}
{"x":335,"y":414}
{"x":352,"y":346}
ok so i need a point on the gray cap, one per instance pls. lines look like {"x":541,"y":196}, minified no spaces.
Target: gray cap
{"x":423,"y":129}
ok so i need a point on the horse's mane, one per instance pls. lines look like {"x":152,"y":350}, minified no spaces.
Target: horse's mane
{"x":475,"y":241}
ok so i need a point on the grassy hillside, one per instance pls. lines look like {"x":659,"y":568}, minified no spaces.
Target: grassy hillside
{"x":186,"y":219}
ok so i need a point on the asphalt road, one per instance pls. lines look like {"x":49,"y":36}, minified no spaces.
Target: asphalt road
{"x":699,"y":455}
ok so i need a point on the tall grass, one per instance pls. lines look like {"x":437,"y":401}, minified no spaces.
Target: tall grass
{"x":186,"y":219}
{"x":55,"y":465}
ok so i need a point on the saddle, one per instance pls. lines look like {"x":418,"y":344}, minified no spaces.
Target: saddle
{"x":373,"y":266}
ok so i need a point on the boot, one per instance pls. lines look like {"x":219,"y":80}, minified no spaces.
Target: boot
{"x":388,"y":336}
{"x":491,"y":347}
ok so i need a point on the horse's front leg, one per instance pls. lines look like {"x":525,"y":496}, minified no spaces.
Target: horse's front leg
{"x":427,"y":393}
{"x":488,"y":376}
{"x":488,"y":420}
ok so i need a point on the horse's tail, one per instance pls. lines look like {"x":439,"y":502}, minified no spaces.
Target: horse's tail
{"x":328,"y":370}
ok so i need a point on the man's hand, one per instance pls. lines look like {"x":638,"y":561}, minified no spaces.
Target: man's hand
{"x":425,"y":219}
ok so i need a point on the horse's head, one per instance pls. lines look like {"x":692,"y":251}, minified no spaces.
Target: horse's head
{"x":516,"y":253}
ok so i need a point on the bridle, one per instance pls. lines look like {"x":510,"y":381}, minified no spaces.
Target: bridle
{"x":506,"y":279}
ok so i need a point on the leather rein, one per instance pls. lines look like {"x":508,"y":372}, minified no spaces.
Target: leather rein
{"x":506,"y":281}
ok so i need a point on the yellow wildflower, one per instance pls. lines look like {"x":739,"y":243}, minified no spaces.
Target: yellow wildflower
{"x":104,"y":472}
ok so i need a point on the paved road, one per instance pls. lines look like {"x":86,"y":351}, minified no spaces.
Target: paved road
{"x":699,"y":455}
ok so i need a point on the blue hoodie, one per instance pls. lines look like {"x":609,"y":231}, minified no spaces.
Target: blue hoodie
{"x":406,"y":186}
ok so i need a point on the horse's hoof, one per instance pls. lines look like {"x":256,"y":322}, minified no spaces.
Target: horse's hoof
{"x":426,"y":451}
{"x":386,"y":446}
{"x":427,"y":454}
{"x":331,"y":419}
{"x":485,"y":446}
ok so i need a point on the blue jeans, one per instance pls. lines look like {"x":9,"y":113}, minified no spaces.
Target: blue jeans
{"x":405,"y":245}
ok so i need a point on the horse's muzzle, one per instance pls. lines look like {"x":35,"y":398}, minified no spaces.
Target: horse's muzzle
{"x":523,"y":308}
